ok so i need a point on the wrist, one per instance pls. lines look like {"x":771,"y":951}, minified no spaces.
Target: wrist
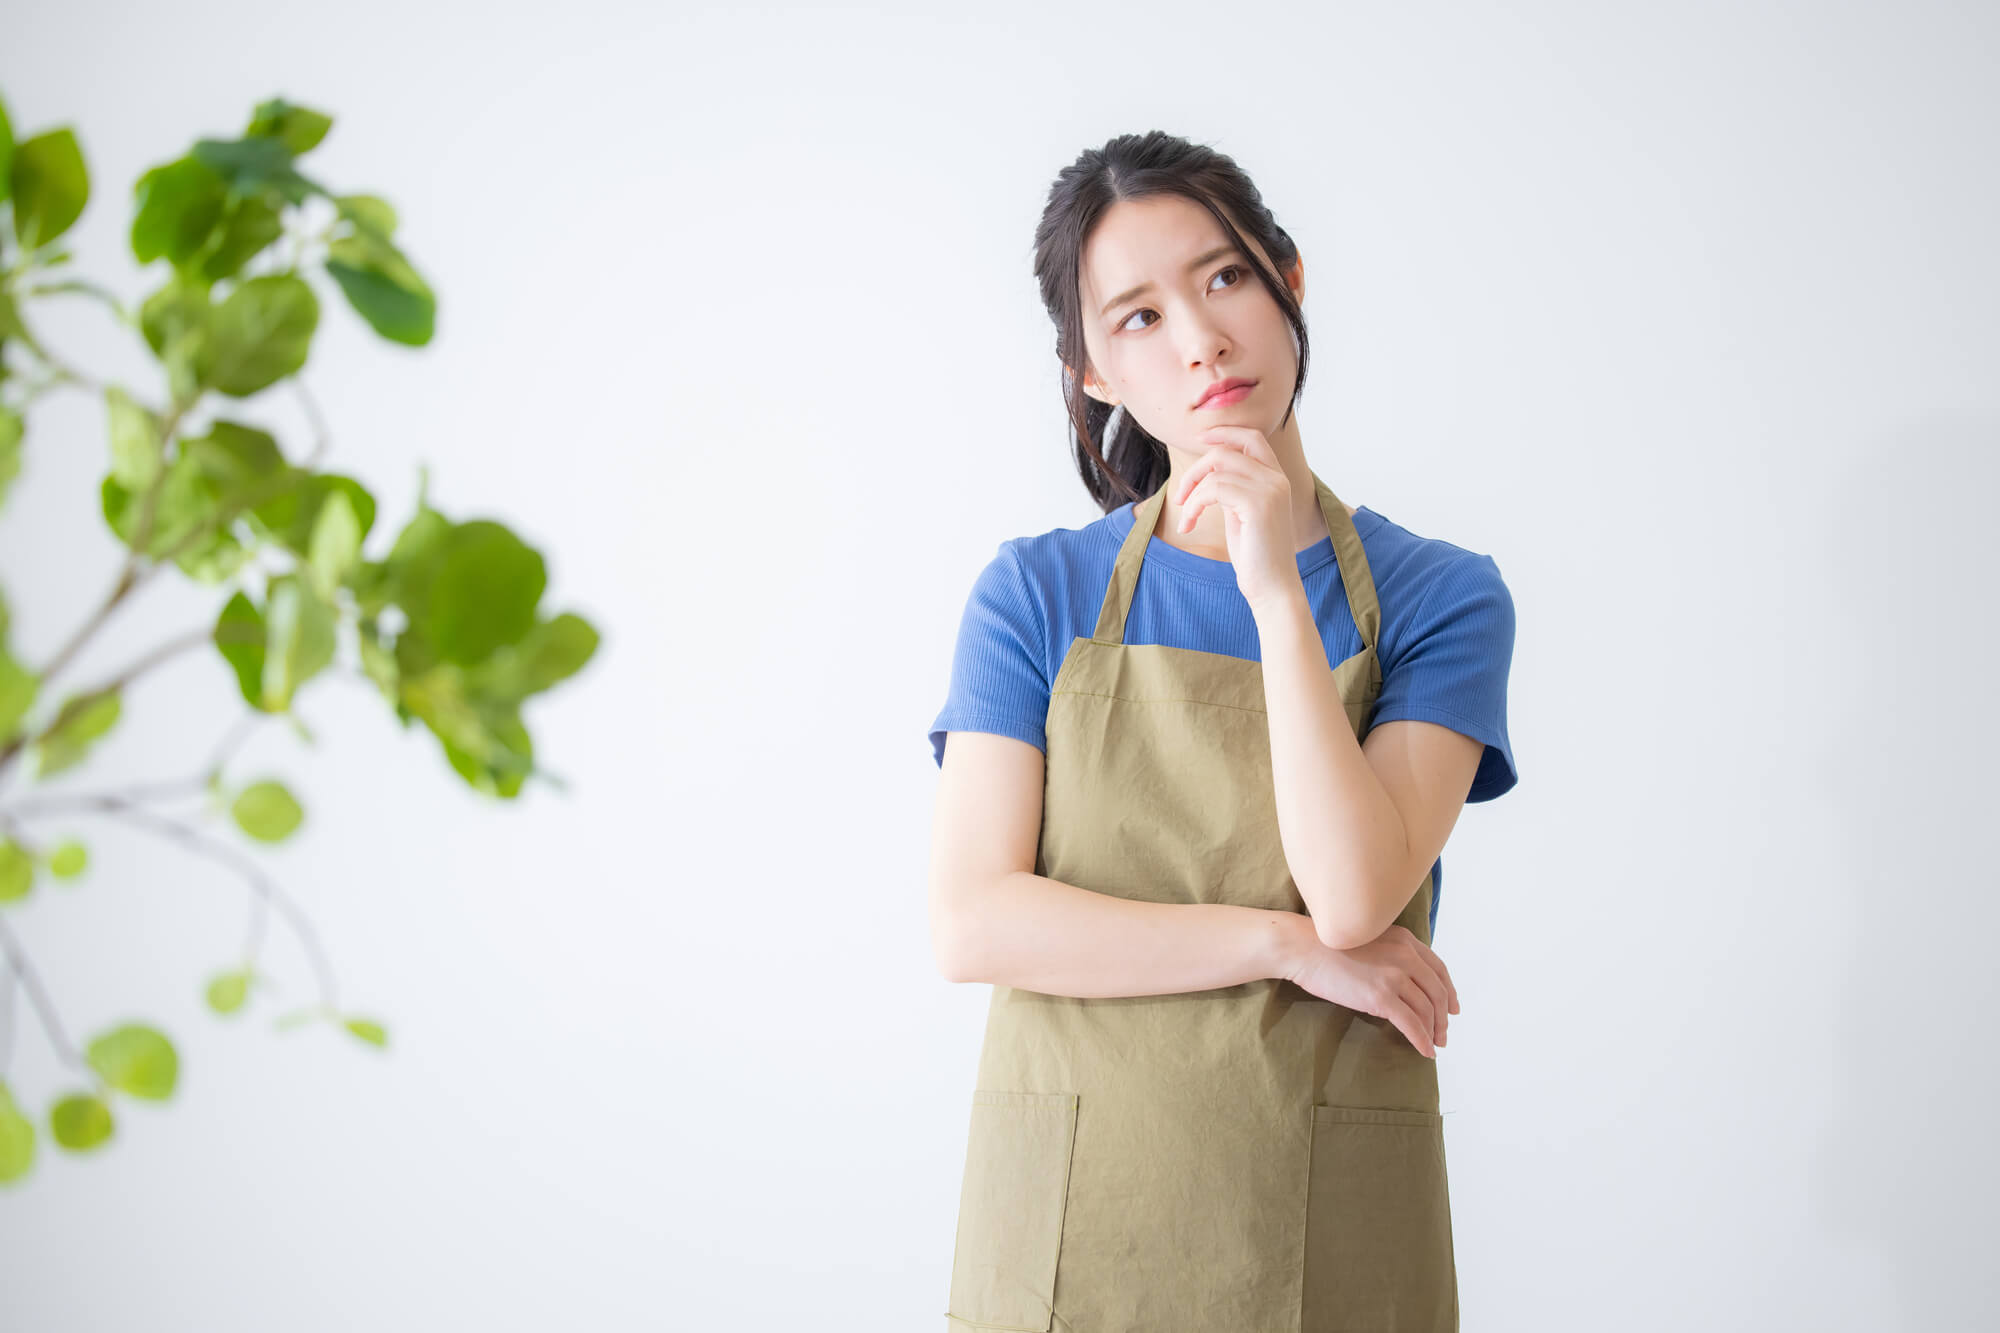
{"x":1284,"y":604}
{"x":1287,"y":940}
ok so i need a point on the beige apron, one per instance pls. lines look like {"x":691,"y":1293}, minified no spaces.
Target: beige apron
{"x":1249,"y":1159}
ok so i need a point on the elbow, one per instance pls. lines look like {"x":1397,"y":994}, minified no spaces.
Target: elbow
{"x":1346,"y":929}
{"x":1339,"y":935}
{"x":949,"y":953}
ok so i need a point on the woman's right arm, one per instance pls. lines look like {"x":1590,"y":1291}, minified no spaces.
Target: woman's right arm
{"x":994,"y":920}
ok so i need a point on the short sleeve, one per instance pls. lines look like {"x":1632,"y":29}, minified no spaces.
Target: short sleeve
{"x":999,"y":682}
{"x":1450,"y":666}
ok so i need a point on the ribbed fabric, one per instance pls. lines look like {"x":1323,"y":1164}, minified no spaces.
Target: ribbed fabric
{"x":1447,"y":630}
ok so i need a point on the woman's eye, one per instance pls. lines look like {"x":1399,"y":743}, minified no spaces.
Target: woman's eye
{"x":1148,"y":310}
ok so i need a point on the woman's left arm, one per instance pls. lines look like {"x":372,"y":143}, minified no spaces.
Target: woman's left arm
{"x":1360,"y":823}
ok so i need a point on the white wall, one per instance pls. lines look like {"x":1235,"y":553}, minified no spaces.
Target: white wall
{"x":1687,"y":314}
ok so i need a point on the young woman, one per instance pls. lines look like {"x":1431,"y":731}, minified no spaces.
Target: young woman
{"x":1199,"y":759}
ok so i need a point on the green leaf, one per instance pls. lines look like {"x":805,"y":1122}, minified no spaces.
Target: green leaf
{"x":79,"y":723}
{"x":368,"y":212}
{"x":267,"y":811}
{"x":174,"y":320}
{"x":291,"y":517}
{"x":484,"y":592}
{"x":184,"y":504}
{"x":368,"y":1030}
{"x":298,"y":128}
{"x":383,"y":287}
{"x":17,"y":1132}
{"x":501,"y":762}
{"x":210,"y":480}
{"x":228,"y":990}
{"x":254,"y":164}
{"x":260,"y":333}
{"x":80,"y":1122}
{"x":234,"y":459}
{"x":336,"y":541}
{"x":17,"y":872}
{"x":177,"y":205}
{"x":239,"y":636}
{"x":69,"y":859}
{"x":18,"y":686}
{"x":298,"y":642}
{"x":250,"y":224}
{"x":379,"y":663}
{"x":136,"y":440}
{"x":12,"y":429}
{"x":6,"y":154}
{"x":51,"y":186}
{"x":136,"y":1059}
{"x":551,"y":651}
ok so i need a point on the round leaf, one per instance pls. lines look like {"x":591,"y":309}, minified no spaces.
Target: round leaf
{"x":266,"y":811}
{"x":17,"y":1139}
{"x":239,"y":637}
{"x":484,"y":592}
{"x":259,"y":334}
{"x":227,"y":991}
{"x":17,"y":872}
{"x":177,"y":206}
{"x":68,"y":860}
{"x":368,"y":1030}
{"x":80,"y":1122}
{"x":135,"y":440}
{"x":79,"y":723}
{"x":51,"y":187}
{"x":136,"y":1059}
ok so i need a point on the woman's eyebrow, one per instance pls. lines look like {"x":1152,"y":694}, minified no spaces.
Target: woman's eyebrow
{"x":1193,"y":264}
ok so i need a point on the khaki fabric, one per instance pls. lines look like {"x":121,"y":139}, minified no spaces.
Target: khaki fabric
{"x":1249,"y":1159}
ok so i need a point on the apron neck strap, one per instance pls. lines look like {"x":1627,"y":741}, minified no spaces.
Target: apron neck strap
{"x":1348,"y":554}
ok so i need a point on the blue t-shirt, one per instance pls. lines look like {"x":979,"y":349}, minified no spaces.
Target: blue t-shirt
{"x":1447,"y":637}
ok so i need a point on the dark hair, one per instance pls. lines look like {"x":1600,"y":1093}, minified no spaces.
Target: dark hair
{"x":1134,"y":166}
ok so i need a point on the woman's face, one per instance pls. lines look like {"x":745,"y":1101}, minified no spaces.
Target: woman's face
{"x":1169,"y":308}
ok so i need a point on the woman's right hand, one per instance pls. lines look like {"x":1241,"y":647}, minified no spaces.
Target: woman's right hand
{"x":1394,"y":976}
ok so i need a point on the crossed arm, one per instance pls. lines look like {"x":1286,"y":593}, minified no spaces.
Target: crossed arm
{"x":1360,"y":823}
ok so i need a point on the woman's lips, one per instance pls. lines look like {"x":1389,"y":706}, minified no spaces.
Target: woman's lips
{"x":1226,"y":397}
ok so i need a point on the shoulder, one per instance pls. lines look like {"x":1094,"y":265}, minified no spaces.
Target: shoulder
{"x":1423,"y":580}
{"x":1058,"y":550}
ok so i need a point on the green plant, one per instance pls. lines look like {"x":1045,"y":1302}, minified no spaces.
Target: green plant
{"x":446,"y":624}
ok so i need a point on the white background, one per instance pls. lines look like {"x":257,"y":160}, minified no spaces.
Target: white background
{"x":1689,"y":315}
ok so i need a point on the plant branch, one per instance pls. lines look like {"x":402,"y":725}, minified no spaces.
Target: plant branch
{"x":52,"y":802}
{"x":31,"y":982}
{"x":192,"y":639}
{"x":131,"y":576}
{"x":268,"y":892}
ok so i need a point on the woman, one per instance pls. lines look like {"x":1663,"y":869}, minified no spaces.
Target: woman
{"x":1203,"y":754}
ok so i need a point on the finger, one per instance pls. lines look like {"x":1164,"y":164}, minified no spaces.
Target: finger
{"x":1215,"y":488}
{"x":1429,"y":974}
{"x":1406,"y":1022}
{"x":1216,"y":456}
{"x":1412,"y":990}
{"x":1244,"y":439}
{"x":1450,"y":987}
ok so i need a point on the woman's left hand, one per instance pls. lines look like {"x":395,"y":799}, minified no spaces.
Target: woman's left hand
{"x":1240,"y":472}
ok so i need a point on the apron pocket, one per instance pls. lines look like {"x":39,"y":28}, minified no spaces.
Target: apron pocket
{"x":1010,"y":1211}
{"x":1378,"y":1224}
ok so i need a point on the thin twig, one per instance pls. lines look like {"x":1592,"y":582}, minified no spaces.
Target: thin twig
{"x":31,"y":982}
{"x":42,"y":803}
{"x":266,"y":888}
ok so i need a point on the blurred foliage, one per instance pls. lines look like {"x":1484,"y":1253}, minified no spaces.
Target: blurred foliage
{"x":447,"y":624}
